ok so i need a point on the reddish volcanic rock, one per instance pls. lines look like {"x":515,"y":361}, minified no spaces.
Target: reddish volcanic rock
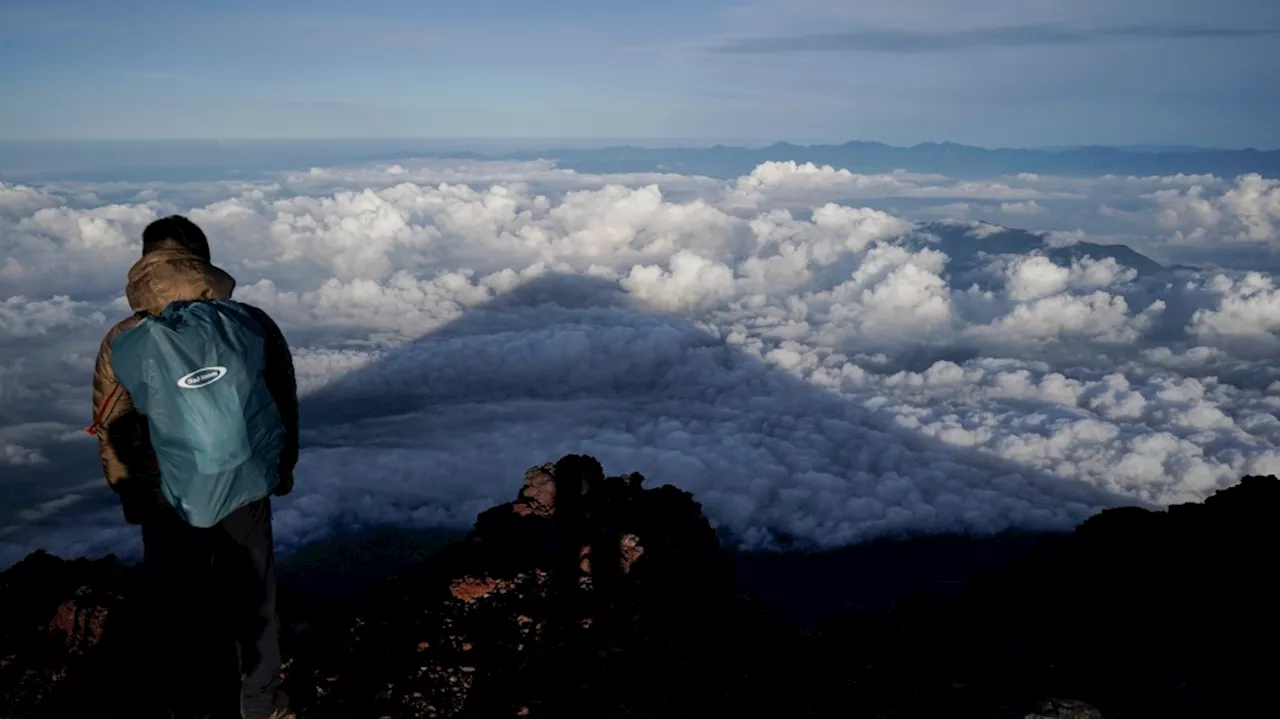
{"x":538,"y":496}
{"x":629,"y":550}
{"x":469,"y":589}
{"x":82,"y":619}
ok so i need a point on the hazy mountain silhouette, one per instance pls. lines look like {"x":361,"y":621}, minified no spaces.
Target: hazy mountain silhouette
{"x":964,"y":246}
{"x":947,"y":158}
{"x":193,"y":160}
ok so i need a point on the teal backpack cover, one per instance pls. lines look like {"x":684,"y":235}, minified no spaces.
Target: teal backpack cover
{"x":195,"y":371}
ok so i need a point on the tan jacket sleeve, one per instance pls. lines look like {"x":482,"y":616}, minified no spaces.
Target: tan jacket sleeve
{"x":115,"y":421}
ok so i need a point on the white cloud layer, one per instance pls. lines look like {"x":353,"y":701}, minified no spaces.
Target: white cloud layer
{"x":809,"y":366}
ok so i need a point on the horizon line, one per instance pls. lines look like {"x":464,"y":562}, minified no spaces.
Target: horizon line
{"x":705,"y":143}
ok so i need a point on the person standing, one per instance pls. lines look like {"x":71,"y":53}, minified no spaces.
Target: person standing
{"x":195,"y":459}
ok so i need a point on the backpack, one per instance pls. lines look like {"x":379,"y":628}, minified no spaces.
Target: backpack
{"x":195,"y":371}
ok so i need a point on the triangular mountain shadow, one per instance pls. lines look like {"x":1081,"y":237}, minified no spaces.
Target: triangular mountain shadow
{"x":571,"y":364}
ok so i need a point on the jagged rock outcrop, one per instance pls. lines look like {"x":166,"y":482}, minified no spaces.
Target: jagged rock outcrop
{"x":56,"y":647}
{"x":596,"y":596}
{"x":586,"y":594}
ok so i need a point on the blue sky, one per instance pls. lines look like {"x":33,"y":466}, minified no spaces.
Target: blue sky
{"x":992,"y":73}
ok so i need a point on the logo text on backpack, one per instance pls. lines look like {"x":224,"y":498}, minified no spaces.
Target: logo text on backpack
{"x":202,"y":377}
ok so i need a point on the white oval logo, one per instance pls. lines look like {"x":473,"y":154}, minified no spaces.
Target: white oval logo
{"x":202,"y":377}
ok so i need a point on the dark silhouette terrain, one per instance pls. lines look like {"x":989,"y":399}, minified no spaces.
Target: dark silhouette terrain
{"x":595,"y":596}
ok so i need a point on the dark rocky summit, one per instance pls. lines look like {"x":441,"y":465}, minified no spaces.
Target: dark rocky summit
{"x":594,"y":596}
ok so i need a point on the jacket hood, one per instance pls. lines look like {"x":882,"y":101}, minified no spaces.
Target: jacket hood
{"x":173,"y":273}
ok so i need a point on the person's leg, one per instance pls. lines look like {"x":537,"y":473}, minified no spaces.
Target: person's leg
{"x":251,"y":573}
{"x":150,"y":689}
{"x":169,"y":621}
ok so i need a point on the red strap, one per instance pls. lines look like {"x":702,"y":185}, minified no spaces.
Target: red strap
{"x":106,"y":404}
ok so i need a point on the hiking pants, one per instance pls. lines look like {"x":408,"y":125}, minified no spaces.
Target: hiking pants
{"x":210,"y":636}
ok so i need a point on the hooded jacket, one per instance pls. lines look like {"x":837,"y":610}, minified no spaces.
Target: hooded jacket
{"x":171,"y":272}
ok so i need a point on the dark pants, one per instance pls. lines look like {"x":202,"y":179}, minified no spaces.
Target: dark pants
{"x":210,"y":633}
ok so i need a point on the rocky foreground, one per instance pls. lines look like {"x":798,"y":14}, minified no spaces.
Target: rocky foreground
{"x":594,"y":596}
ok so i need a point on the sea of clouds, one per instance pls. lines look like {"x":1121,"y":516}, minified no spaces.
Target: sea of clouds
{"x":820,"y":356}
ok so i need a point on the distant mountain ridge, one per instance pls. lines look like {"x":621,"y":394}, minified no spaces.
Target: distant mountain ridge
{"x":1139,"y":148}
{"x":187,"y":160}
{"x":947,"y":158}
{"x":966,"y":245}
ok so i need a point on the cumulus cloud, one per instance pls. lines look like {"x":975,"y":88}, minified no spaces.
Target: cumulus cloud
{"x":1029,"y":277}
{"x":19,"y":201}
{"x":809,"y":365}
{"x":1246,"y":212}
{"x":1249,"y":309}
{"x":17,"y":454}
{"x":20,"y":316}
{"x":782,"y":182}
{"x":1030,"y":207}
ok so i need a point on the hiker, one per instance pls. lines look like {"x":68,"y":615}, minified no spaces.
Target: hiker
{"x":196,"y":413}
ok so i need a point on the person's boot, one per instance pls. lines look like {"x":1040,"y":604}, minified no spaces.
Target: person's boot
{"x":281,"y":710}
